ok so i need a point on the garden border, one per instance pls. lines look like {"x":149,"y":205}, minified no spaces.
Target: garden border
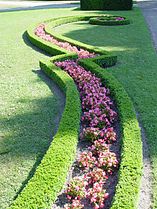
{"x":50,"y":175}
{"x":96,"y":21}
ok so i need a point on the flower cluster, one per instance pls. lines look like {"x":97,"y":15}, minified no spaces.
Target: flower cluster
{"x":76,"y":188}
{"x":98,"y":156}
{"x":40,"y":32}
{"x":106,"y":134}
{"x":98,"y":114}
{"x":97,"y":195}
{"x":119,"y":18}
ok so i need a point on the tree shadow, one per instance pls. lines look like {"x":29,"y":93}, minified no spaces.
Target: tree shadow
{"x":104,"y":40}
{"x":31,"y":132}
{"x":28,"y":43}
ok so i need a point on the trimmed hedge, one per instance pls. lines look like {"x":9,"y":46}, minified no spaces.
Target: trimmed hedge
{"x":130,"y":171}
{"x":59,"y":21}
{"x":43,"y":45}
{"x":92,"y":4}
{"x":50,"y":175}
{"x":106,"y":4}
{"x":118,"y":4}
{"x":108,"y":20}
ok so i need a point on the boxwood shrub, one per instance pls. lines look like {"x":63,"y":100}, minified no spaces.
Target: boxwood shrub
{"x":51,"y":174}
{"x":92,"y":4}
{"x":118,"y":4}
{"x":106,"y":4}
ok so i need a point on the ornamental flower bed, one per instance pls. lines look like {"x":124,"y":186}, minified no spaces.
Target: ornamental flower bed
{"x":109,"y":20}
{"x":96,"y":163}
{"x":40,"y":32}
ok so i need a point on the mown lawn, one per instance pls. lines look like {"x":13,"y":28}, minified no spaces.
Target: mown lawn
{"x":29,"y":108}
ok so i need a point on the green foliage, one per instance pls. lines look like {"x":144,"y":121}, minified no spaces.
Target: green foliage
{"x":105,"y":60}
{"x":106,"y":4}
{"x":92,"y":4}
{"x":118,"y":4}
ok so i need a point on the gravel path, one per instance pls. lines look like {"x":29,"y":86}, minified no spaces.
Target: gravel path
{"x":149,"y":10}
{"x":7,"y":6}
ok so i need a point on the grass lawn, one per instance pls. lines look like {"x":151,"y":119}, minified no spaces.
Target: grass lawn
{"x":29,"y":108}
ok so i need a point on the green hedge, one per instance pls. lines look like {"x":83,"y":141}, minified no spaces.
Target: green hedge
{"x":130,"y":171}
{"x":118,"y":4}
{"x":59,"y":21}
{"x":50,"y":175}
{"x":107,"y":21}
{"x":92,"y":4}
{"x":106,"y":4}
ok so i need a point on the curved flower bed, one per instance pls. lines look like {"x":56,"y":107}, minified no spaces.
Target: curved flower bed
{"x":40,"y":32}
{"x":50,"y":175}
{"x":109,"y":20}
{"x":98,"y":161}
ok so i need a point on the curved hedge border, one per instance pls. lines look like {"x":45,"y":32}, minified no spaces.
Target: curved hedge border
{"x":109,"y":20}
{"x":50,"y":175}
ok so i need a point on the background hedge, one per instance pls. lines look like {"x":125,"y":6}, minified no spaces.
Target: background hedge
{"x":106,"y":4}
{"x":92,"y":4}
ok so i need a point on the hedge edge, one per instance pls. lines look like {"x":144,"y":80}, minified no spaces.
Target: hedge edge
{"x":130,"y":170}
{"x":96,"y":21}
{"x":59,"y":21}
{"x":51,"y":174}
{"x":43,"y":188}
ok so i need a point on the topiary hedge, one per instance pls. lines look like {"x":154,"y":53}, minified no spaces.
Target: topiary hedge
{"x":118,"y":4}
{"x":92,"y":4}
{"x":109,"y":20}
{"x":51,"y":174}
{"x":106,"y":4}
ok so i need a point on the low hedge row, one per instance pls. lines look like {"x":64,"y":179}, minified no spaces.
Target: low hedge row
{"x":130,"y":171}
{"x":59,"y":21}
{"x":50,"y":175}
{"x":92,"y":4}
{"x":107,"y":21}
{"x":106,"y":4}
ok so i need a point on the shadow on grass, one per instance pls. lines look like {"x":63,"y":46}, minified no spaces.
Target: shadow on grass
{"x":94,"y":38}
{"x":33,"y":131}
{"x":28,"y":43}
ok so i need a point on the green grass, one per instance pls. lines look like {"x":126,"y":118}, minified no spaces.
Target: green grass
{"x":28,"y":108}
{"x":136,"y":68}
